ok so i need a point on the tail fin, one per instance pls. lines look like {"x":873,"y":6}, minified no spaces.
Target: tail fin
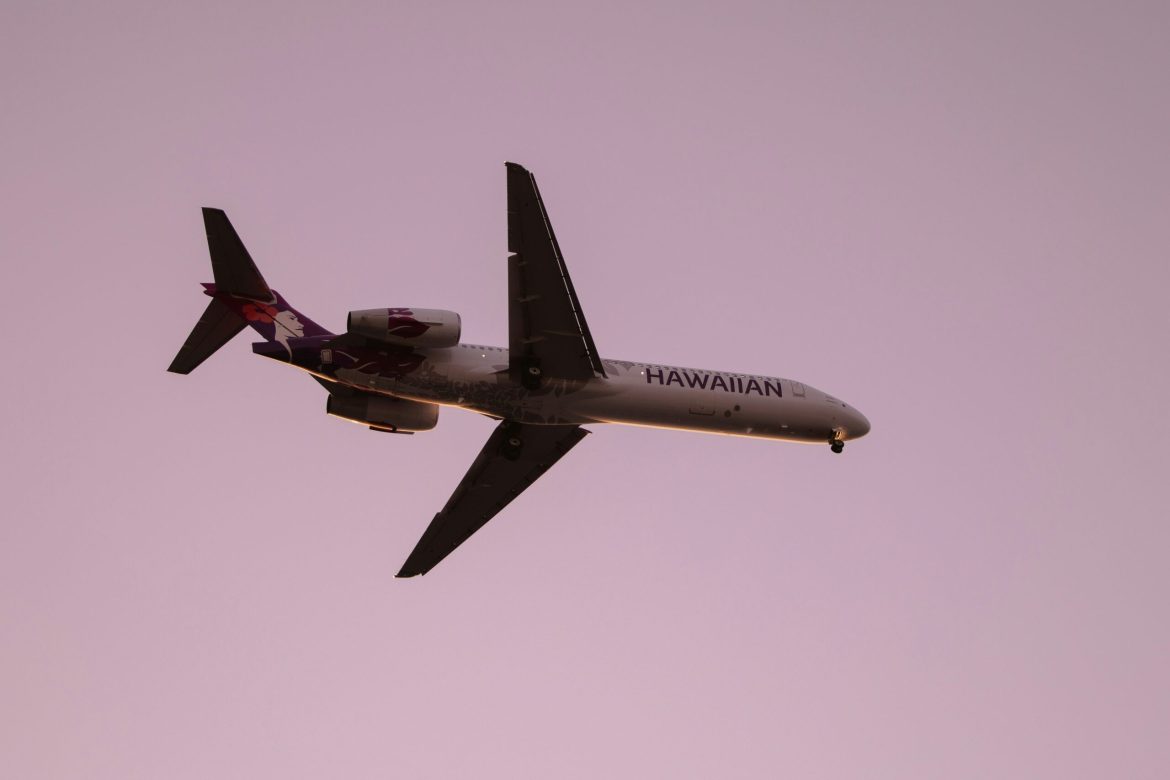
{"x":234,"y":271}
{"x":239,"y":297}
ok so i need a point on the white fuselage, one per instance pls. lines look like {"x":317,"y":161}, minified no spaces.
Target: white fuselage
{"x":476,"y":378}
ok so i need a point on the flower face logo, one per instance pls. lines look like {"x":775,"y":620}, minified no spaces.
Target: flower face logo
{"x":287,"y":326}
{"x":259,"y":312}
{"x":284,"y":322}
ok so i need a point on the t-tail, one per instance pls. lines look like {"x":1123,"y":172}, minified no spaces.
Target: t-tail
{"x":239,"y":297}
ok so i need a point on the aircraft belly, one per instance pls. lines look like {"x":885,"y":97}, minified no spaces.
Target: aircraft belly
{"x":486,"y":387}
{"x":628,"y":402}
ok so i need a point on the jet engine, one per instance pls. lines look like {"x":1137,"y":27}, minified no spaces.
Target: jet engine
{"x":426,"y":328}
{"x":384,"y":413}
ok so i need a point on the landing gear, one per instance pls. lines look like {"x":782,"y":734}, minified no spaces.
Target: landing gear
{"x":836,"y":443}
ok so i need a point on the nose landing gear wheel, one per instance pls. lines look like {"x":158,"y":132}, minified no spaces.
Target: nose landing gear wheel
{"x":836,"y":445}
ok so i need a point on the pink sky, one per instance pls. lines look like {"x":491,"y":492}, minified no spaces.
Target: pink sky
{"x":953,"y":216}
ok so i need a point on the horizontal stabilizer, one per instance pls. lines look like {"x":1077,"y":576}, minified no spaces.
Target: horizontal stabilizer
{"x":214,"y":329}
{"x":231,"y":264}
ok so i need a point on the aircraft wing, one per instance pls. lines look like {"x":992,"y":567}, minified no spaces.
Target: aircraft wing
{"x":501,"y":472}
{"x":546,"y":327}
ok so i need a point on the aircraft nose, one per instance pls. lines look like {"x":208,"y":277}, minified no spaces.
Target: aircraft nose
{"x":857,"y":426}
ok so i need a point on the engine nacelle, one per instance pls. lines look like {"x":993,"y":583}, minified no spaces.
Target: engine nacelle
{"x":426,"y":328}
{"x":383,"y":412}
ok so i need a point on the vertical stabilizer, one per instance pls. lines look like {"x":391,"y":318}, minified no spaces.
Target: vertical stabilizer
{"x":234,"y":271}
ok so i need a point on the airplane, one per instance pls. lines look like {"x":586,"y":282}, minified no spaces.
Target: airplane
{"x":393,"y":368}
